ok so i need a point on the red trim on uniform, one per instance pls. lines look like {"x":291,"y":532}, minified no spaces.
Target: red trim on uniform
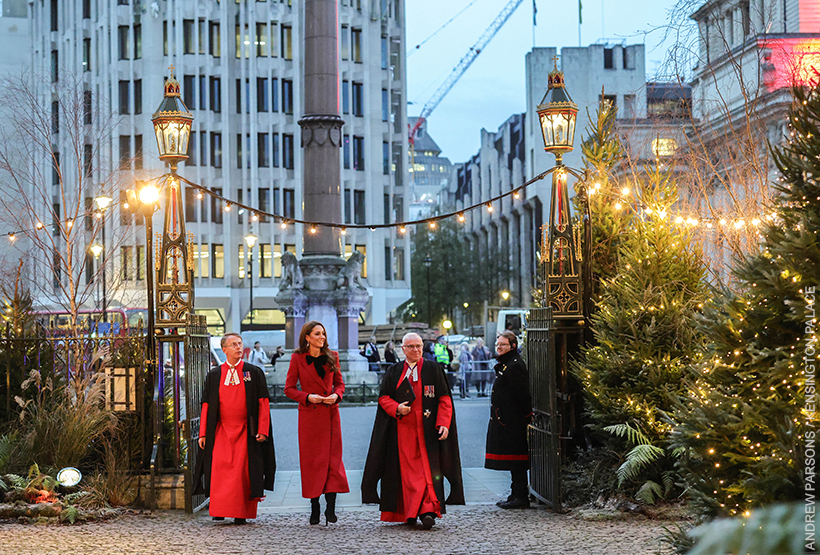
{"x":507,"y":457}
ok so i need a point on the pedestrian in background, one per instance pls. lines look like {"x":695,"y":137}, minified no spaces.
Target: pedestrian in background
{"x":427,"y":351}
{"x":371,"y":352}
{"x":277,"y":354}
{"x":315,"y":368}
{"x":510,"y":413}
{"x":481,"y":366}
{"x":238,"y":461}
{"x":258,"y":357}
{"x":465,"y":364}
{"x":390,"y":356}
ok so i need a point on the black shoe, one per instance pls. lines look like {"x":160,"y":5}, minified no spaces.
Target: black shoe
{"x":410,"y":521}
{"x":218,"y":518}
{"x":507,"y":500}
{"x":330,"y":516}
{"x":314,"y":511}
{"x":427,"y":521}
{"x":515,"y":503}
{"x":240,"y":521}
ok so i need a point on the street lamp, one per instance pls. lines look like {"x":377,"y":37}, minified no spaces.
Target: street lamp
{"x":96,"y":250}
{"x":250,"y":239}
{"x":506,"y":296}
{"x":172,"y":125}
{"x":103,"y":202}
{"x":557,"y":113}
{"x":427,"y":263}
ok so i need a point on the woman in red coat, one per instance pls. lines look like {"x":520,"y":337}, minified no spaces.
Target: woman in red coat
{"x":316,"y":368}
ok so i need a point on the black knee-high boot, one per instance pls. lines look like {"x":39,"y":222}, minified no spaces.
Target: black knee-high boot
{"x":314,"y":510}
{"x":330,"y":511}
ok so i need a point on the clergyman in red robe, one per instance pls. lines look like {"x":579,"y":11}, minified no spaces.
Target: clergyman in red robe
{"x":237,"y":463}
{"x":414,"y":445}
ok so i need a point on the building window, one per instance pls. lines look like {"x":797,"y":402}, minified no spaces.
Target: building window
{"x":239,"y":96}
{"x":348,"y":207}
{"x":274,"y":104}
{"x":358,"y":101}
{"x":356,"y":40}
{"x":287,"y":96}
{"x":287,"y":42}
{"x":164,"y":38}
{"x":127,"y":262}
{"x":384,"y":52}
{"x":55,"y":117}
{"x":287,"y":155}
{"x":398,"y":263}
{"x":262,"y":39}
{"x":242,"y":39}
{"x":216,"y":150}
{"x":345,"y":38}
{"x":609,"y":62}
{"x":359,"y":207}
{"x":386,"y":158}
{"x":54,"y":14}
{"x":140,"y":262}
{"x":203,"y":208}
{"x":192,"y":150}
{"x":125,"y":152}
{"x":214,"y":39}
{"x":262,"y":94}
{"x":86,"y":54}
{"x":277,"y":261}
{"x":122,"y":39}
{"x":123,"y":97}
{"x":265,"y":259}
{"x":218,"y":259}
{"x":388,"y":267}
{"x":241,"y":266}
{"x":86,"y":9}
{"x":216,"y":97}
{"x":386,"y":210}
{"x":663,"y":147}
{"x":275,"y":147}
{"x":264,"y":203}
{"x":190,"y":204}
{"x":263,"y":149}
{"x":202,"y":92}
{"x":385,"y":105}
{"x":188,"y":36}
{"x":87,"y":107}
{"x":137,"y":42}
{"x":358,"y":153}
{"x":138,"y":152}
{"x":138,"y":96}
{"x":87,"y":160}
{"x":345,"y":97}
{"x":201,"y":34}
{"x":216,"y":208}
{"x":288,"y":203}
{"x":188,"y":91}
{"x":346,"y":152}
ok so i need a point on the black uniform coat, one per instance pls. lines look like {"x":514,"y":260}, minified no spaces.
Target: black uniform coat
{"x":261,"y":456}
{"x":383,"y":456}
{"x":510,"y":412}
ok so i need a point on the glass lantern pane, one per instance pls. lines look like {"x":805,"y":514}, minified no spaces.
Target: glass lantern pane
{"x":570,"y":129}
{"x":560,"y":129}
{"x":160,"y":141}
{"x":171,"y":140}
{"x":546,"y":130}
{"x":184,"y":130}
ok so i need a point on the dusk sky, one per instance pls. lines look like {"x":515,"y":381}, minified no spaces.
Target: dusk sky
{"x":492,"y":89}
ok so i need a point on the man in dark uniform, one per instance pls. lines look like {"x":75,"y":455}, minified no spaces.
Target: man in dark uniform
{"x":510,"y":413}
{"x":235,"y":437}
{"x":414,"y":442}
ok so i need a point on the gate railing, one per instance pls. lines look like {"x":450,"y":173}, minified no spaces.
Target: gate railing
{"x":544,"y":430}
{"x":197,"y":365}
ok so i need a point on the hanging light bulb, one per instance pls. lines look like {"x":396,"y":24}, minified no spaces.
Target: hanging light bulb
{"x":432,"y":224}
{"x":402,"y":229}
{"x":313,"y":229}
{"x":344,"y":231}
{"x":461,"y":216}
{"x":283,"y":224}
{"x":489,"y":207}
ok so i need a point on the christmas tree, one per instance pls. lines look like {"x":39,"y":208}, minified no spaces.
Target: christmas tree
{"x":646,"y":339}
{"x":742,"y":429}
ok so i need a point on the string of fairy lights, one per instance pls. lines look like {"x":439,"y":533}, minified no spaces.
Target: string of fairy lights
{"x":621,"y":200}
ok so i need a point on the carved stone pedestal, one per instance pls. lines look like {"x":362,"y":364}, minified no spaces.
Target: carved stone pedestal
{"x":330,"y":290}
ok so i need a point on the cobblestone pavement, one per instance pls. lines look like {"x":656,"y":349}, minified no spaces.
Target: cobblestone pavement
{"x":469,"y":529}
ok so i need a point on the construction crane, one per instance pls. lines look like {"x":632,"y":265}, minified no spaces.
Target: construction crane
{"x":463,"y":64}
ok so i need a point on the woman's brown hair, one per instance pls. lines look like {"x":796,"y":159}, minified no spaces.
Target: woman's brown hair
{"x":510,"y":336}
{"x":325,"y":350}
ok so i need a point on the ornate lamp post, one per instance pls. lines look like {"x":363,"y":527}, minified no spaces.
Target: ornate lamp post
{"x":96,"y":249}
{"x":250,"y":239}
{"x":103,"y":202}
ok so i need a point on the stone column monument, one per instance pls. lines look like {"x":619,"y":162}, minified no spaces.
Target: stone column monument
{"x":323,"y":285}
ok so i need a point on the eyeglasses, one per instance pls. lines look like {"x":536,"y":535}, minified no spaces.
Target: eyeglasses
{"x":233,"y":345}
{"x":415,"y":347}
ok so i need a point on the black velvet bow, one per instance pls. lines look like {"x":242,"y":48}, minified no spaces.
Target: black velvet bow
{"x":318,"y":363}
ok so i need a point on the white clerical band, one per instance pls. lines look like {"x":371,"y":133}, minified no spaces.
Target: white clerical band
{"x":412,"y":372}
{"x":233,"y":377}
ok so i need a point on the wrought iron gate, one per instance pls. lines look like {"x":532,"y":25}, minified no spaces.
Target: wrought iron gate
{"x":544,"y":430}
{"x":197,"y":365}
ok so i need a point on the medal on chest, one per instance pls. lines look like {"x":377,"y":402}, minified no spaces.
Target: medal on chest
{"x":430,"y":391}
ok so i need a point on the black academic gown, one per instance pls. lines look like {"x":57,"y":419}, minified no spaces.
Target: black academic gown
{"x":382,"y":462}
{"x":261,"y":455}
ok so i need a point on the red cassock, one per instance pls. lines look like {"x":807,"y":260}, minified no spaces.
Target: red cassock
{"x":230,"y":482}
{"x":416,"y":495}
{"x":320,"y":430}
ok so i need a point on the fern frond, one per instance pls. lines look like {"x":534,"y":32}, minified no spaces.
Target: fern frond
{"x":633,"y":435}
{"x":649,"y":492}
{"x":668,"y":482}
{"x":637,"y":459}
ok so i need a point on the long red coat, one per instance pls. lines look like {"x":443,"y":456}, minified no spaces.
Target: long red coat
{"x":320,"y":429}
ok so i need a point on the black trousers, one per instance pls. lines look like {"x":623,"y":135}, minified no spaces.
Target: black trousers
{"x":519,"y":484}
